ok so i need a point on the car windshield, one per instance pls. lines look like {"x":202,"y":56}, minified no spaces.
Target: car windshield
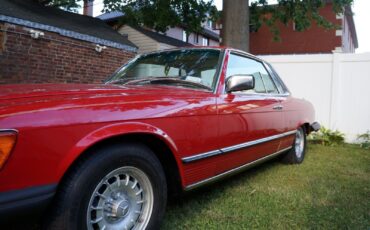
{"x":195,"y":68}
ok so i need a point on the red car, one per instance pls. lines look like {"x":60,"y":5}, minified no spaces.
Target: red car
{"x":106,"y":156}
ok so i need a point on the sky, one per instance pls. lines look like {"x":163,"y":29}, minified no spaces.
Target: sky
{"x":361,"y":10}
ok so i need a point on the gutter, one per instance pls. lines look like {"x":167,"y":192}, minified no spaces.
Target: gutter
{"x":67,"y":33}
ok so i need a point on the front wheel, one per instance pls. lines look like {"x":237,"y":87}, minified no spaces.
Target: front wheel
{"x":117,"y":187}
{"x":123,"y":199}
{"x":297,"y":153}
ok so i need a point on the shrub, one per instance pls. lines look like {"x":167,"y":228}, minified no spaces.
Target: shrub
{"x":364,"y":140}
{"x":327,"y":137}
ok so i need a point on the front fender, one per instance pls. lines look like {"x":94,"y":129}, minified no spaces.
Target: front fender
{"x":109,"y":131}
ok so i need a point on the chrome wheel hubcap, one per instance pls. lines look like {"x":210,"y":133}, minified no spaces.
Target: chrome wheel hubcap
{"x":299,"y":143}
{"x":116,"y":206}
{"x":123,"y":199}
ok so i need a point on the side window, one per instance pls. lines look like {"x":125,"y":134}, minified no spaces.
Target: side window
{"x":269,"y":84}
{"x":279,"y":84}
{"x":242,"y":65}
{"x":207,"y":77}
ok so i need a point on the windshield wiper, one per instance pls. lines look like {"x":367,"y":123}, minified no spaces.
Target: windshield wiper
{"x":121,"y":80}
{"x":168,"y":80}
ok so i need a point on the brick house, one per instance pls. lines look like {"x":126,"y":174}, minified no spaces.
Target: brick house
{"x":47,"y":45}
{"x":148,"y":40}
{"x":313,"y":40}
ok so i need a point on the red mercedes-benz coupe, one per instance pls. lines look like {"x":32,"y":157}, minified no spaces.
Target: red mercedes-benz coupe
{"x":107,"y":156}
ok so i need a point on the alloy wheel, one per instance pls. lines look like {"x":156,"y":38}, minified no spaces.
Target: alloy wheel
{"x":123,"y":199}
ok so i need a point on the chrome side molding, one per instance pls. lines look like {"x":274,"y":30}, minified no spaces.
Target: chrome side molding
{"x":201,"y":156}
{"x":235,"y":147}
{"x":9,"y":130}
{"x":235,"y":170}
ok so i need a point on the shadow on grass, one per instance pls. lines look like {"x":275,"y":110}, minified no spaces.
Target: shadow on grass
{"x":218,"y":187}
{"x":196,"y":201}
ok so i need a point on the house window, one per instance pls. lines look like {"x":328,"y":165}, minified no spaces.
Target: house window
{"x":196,"y":38}
{"x":205,"y":42}
{"x":184,"y":36}
{"x":209,"y":24}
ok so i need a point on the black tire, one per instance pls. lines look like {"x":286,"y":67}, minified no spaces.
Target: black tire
{"x":292,"y":156}
{"x":70,"y":207}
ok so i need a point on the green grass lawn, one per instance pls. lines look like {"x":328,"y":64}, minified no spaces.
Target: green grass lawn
{"x":329,"y":190}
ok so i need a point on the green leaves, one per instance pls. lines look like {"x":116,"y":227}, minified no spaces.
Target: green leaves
{"x":364,"y":140}
{"x":162,"y":14}
{"x":190,"y":14}
{"x":327,"y":137}
{"x":69,"y":5}
{"x":302,"y":12}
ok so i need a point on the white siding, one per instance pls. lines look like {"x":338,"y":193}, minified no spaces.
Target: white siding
{"x":213,"y":43}
{"x":145,"y":43}
{"x":177,"y":32}
{"x":163,"y":46}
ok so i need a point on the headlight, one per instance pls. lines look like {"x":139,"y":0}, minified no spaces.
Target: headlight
{"x":7,"y":142}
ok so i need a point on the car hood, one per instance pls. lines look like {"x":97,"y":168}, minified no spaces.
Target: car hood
{"x":29,"y":93}
{"x":23,"y":91}
{"x":91,"y":103}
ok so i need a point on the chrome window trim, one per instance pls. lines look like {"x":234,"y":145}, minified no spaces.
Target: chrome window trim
{"x":234,"y":170}
{"x":235,"y":147}
{"x":265,"y":95}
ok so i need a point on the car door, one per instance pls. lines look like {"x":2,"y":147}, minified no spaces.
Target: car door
{"x":288,"y":107}
{"x":250,"y":122}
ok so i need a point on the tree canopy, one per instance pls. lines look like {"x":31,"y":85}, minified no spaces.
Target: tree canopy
{"x":70,"y":5}
{"x":302,"y":13}
{"x":163,"y":14}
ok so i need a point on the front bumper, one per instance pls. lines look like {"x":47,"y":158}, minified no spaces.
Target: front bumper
{"x":25,"y":202}
{"x":315,"y":126}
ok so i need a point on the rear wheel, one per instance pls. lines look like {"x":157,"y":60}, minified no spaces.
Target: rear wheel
{"x":297,"y":153}
{"x":118,"y":187}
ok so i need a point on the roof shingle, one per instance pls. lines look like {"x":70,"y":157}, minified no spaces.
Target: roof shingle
{"x":27,"y":10}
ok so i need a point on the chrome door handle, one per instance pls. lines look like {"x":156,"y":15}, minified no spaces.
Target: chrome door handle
{"x":277,"y":107}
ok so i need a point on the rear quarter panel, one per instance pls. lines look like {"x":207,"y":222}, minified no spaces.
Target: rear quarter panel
{"x":297,"y":112}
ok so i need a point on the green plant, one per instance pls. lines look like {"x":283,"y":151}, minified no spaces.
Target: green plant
{"x":327,"y":137}
{"x":364,"y":140}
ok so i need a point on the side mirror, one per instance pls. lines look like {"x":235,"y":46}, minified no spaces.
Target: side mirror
{"x":239,"y":83}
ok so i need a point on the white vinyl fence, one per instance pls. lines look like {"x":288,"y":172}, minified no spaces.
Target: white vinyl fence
{"x":338,"y":85}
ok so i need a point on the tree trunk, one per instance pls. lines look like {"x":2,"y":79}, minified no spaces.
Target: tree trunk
{"x":235,"y":24}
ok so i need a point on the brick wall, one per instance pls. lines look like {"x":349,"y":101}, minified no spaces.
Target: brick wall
{"x":53,"y":58}
{"x":314,"y":40}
